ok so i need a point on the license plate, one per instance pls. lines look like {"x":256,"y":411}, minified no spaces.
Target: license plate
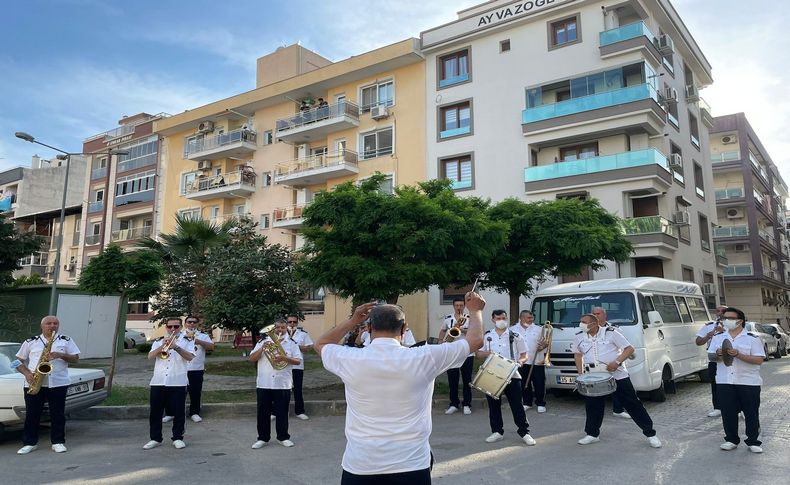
{"x":77,"y":388}
{"x":566,"y":380}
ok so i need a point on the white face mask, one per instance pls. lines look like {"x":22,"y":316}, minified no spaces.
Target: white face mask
{"x":501,"y":324}
{"x":584,"y":326}
{"x":730,"y":324}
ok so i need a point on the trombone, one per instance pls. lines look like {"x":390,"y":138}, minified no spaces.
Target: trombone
{"x":546,"y":334}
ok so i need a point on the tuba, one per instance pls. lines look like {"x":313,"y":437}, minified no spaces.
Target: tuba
{"x":43,"y":368}
{"x":454,"y":332}
{"x":272,"y":348}
{"x":164,"y":351}
{"x":546,"y":334}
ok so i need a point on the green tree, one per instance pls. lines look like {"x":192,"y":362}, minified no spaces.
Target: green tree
{"x":132,"y":275}
{"x":29,"y":280}
{"x":14,"y":245}
{"x":551,"y":238}
{"x":365,"y":244}
{"x":249,"y":283}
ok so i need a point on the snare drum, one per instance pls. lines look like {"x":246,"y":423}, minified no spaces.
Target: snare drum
{"x":595,"y":384}
{"x":494,"y":375}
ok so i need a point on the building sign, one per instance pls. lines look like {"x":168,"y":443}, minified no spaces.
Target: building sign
{"x":485,"y":20}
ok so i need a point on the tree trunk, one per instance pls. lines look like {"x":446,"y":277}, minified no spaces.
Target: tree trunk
{"x":393,"y":299}
{"x":514,"y":309}
{"x":115,"y":343}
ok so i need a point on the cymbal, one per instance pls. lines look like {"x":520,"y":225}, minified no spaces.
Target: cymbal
{"x":727,"y":358}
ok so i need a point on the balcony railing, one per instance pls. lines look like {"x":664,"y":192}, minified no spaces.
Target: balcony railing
{"x":98,"y":173}
{"x":766,"y":235}
{"x":193,"y":147}
{"x":724,"y":157}
{"x":92,"y":239}
{"x":288,"y":213}
{"x":135,"y":197}
{"x":315,"y":163}
{"x":449,"y":81}
{"x":227,"y":181}
{"x":731,"y":231}
{"x":625,"y":32}
{"x":233,"y":216}
{"x":603,"y":163}
{"x":39,"y":258}
{"x":339,"y":110}
{"x":132,"y":234}
{"x":648,"y":225}
{"x":731,"y":193}
{"x":96,"y":206}
{"x":588,"y":103}
{"x":720,"y":250}
{"x":461,"y":184}
{"x":738,"y":270}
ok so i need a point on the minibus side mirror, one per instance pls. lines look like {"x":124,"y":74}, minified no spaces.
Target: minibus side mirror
{"x":654,"y":319}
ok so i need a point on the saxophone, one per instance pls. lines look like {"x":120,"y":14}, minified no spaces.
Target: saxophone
{"x":273,"y":348}
{"x":454,"y":332}
{"x":43,"y":368}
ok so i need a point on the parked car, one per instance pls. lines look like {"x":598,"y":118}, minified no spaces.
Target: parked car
{"x":132,"y":338}
{"x":86,"y":388}
{"x":780,"y":336}
{"x":769,"y":342}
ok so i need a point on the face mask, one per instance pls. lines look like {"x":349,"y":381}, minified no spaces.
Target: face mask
{"x":501,"y":324}
{"x":584,"y":326}
{"x":730,"y":324}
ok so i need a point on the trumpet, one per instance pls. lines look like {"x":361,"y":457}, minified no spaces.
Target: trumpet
{"x":164,"y":352}
{"x":190,"y":334}
{"x":545,"y":338}
{"x":454,"y":332}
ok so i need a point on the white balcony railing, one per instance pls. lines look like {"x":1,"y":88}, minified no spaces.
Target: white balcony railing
{"x":194,"y":146}
{"x":131,"y":234}
{"x":228,"y":180}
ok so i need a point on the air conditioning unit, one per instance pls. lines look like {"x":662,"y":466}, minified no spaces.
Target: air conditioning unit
{"x":665,"y":45}
{"x":681,"y":218}
{"x":379,"y":112}
{"x":206,"y":127}
{"x":708,"y":289}
{"x":692,"y":94}
{"x":670,"y":95}
{"x":204,"y":165}
{"x":742,"y":248}
{"x":68,"y":267}
{"x":675,"y":160}
{"x":729,"y":139}
{"x":735,"y":213}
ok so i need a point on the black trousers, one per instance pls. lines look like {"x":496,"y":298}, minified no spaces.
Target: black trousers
{"x":713,"y":386}
{"x":174,"y":399}
{"x":34,"y":407}
{"x":195,"y":389}
{"x":594,"y":407}
{"x":416,"y":477}
{"x":513,"y":394}
{"x":536,"y":387}
{"x":465,"y":373}
{"x":617,"y":406}
{"x":273,"y":401}
{"x":298,"y":376}
{"x":733,"y":399}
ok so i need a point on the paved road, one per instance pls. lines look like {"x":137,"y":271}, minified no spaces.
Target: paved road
{"x":109,"y":452}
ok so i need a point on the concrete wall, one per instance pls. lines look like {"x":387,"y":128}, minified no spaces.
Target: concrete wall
{"x":41,"y":189}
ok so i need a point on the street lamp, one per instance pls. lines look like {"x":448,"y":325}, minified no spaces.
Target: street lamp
{"x":65,"y":156}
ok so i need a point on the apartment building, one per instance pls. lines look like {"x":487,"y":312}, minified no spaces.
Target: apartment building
{"x":120,"y":194}
{"x":751,"y":204}
{"x":579,"y":98}
{"x":309,"y":125}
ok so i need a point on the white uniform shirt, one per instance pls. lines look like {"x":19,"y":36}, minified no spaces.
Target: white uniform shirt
{"x":500,"y":344}
{"x":407,"y":339}
{"x":740,"y":372}
{"x":199,"y":362}
{"x":268,"y":376}
{"x":172,"y":371}
{"x":365,"y":338}
{"x":31,"y":351}
{"x":531,"y":336}
{"x":389,"y":389}
{"x":449,"y":321}
{"x":601,"y":349}
{"x":705,"y":330}
{"x":302,"y":338}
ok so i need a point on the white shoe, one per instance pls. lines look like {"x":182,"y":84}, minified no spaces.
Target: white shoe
{"x":167,"y":419}
{"x":196,"y":418}
{"x":527,"y":407}
{"x":714,"y":413}
{"x":756,"y":449}
{"x":451,"y":410}
{"x":588,"y":440}
{"x":529,"y":440}
{"x":467,"y":410}
{"x":541,"y":409}
{"x":740,"y":415}
{"x":152,"y":444}
{"x":26,"y":449}
{"x":59,"y":448}
{"x":272,"y":417}
{"x":303,"y":417}
{"x":286,"y":443}
{"x":728,"y":446}
{"x":179,"y":444}
{"x":258,"y":445}
{"x":622,"y":415}
{"x":494,"y":438}
{"x":654,"y":442}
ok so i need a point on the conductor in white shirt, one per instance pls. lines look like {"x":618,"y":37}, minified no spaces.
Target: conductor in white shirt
{"x":389,"y":389}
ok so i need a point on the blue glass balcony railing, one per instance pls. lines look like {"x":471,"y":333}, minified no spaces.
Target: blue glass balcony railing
{"x":625,"y":32}
{"x":461,"y":184}
{"x":636,"y":158}
{"x":454,"y":132}
{"x":454,"y":80}
{"x":731,"y":231}
{"x":95,"y":206}
{"x":605,"y":99}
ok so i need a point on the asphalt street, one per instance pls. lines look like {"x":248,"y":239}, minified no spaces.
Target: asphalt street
{"x":218,"y":450}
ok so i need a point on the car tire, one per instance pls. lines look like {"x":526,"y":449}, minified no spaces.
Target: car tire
{"x":778,"y":353}
{"x":660,"y":394}
{"x":767,"y":355}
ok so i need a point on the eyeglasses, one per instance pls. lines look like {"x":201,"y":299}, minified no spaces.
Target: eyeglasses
{"x":173,"y":326}
{"x":191,"y":321}
{"x":293,"y":321}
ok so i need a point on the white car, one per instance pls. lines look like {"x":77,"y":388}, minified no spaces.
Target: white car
{"x":770,"y":344}
{"x":85,"y":390}
{"x":133,"y":338}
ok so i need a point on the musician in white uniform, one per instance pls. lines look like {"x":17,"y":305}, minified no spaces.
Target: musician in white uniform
{"x":704,"y":337}
{"x":169,"y":383}
{"x":536,"y":352}
{"x":197,"y":366}
{"x":738,"y":385}
{"x":617,"y":407}
{"x":602,"y":349}
{"x":501,"y":340}
{"x":53,"y":388}
{"x":464,"y":372}
{"x":305,"y":343}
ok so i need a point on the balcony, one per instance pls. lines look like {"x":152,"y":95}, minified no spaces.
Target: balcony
{"x":767,"y":236}
{"x":317,"y":123}
{"x":461,"y":78}
{"x":738,"y":270}
{"x":739,"y":231}
{"x":98,"y":173}
{"x":134,"y":197}
{"x":628,"y":38}
{"x":233,"y":216}
{"x":607,"y":169}
{"x":35,"y":263}
{"x":725,"y":157}
{"x":461,"y":184}
{"x":132,"y":234}
{"x":651,"y":236}
{"x":721,"y":255}
{"x":92,"y":239}
{"x":225,"y":185}
{"x":96,"y":206}
{"x":8,"y":202}
{"x":316,"y":169}
{"x":705,"y":112}
{"x":288,"y":217}
{"x":728,"y":194}
{"x":234,"y":144}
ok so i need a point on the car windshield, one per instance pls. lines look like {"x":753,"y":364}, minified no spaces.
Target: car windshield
{"x":566,"y":310}
{"x":7,"y":355}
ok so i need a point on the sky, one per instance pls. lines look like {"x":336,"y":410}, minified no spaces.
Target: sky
{"x":70,"y":69}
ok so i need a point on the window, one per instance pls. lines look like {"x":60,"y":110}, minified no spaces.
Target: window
{"x":98,"y":195}
{"x":214,"y":212}
{"x":137,"y":308}
{"x":677,"y":171}
{"x":459,"y":171}
{"x":266,"y":179}
{"x":447,"y":295}
{"x":187,"y":180}
{"x":699,"y":180}
{"x":94,"y":234}
{"x":376,"y":143}
{"x":190,"y":213}
{"x":504,"y":45}
{"x":454,"y":68}
{"x":697,"y":307}
{"x":704,"y":232}
{"x":377,"y":94}
{"x":685,"y":313}
{"x":694,"y":129}
{"x":387,"y":185}
{"x":688,"y":274}
{"x":140,"y":154}
{"x":665,"y":306}
{"x":264,"y":221}
{"x":268,"y":137}
{"x":455,"y":120}
{"x":135,"y":188}
{"x":672,"y":110}
{"x":564,"y":32}
{"x":579,"y":152}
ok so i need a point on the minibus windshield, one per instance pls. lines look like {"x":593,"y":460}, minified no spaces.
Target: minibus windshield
{"x":566,"y":310}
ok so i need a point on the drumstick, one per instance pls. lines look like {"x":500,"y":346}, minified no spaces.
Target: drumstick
{"x":474,"y":286}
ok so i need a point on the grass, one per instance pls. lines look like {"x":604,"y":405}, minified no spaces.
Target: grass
{"x":130,"y":396}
